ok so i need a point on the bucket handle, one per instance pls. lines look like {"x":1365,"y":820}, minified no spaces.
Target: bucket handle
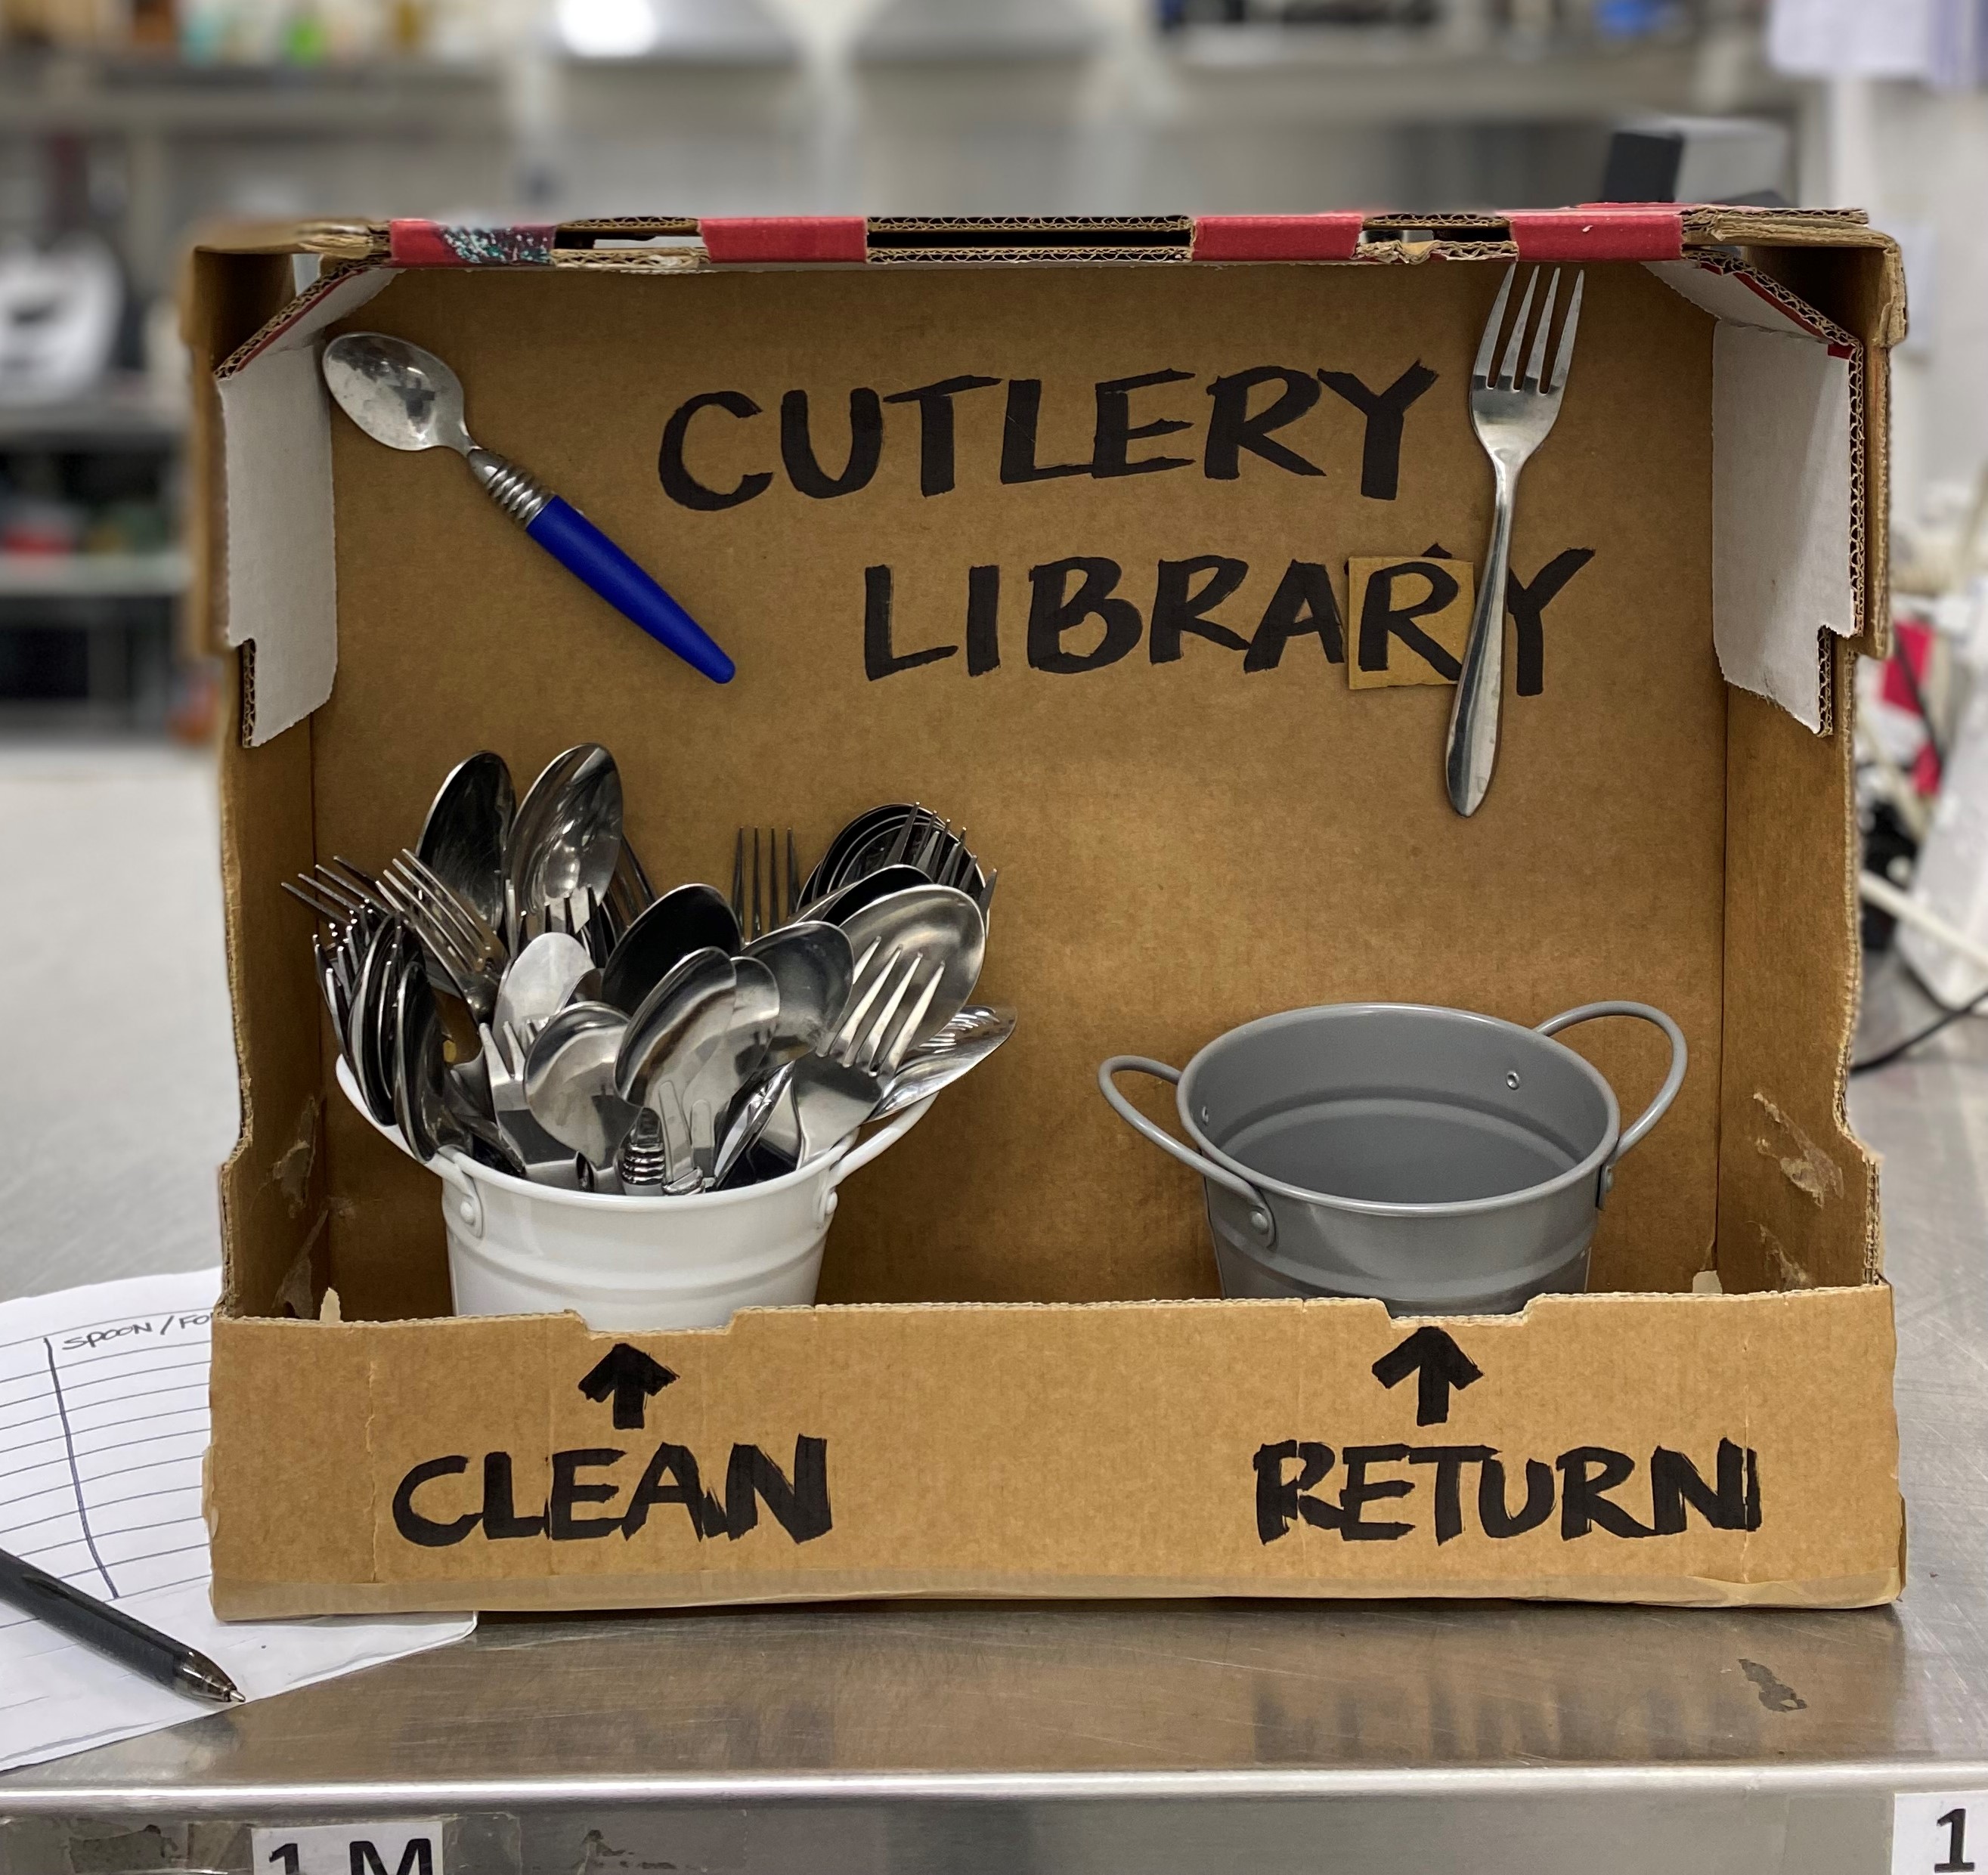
{"x":880,"y":1141}
{"x":1680,"y":1060}
{"x":468,"y":1200}
{"x":1263,"y":1227}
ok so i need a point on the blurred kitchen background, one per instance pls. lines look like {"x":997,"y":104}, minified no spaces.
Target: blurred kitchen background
{"x":124,"y":124}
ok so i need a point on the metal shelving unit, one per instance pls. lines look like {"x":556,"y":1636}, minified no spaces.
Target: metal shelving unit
{"x":87,"y":640}
{"x":94,"y":576}
{"x":89,"y":95}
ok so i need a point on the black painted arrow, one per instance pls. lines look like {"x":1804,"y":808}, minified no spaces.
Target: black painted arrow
{"x":1439,"y":1365}
{"x":631,"y":1377}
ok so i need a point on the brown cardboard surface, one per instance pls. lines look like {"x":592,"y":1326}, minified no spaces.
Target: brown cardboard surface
{"x":1388,"y":598}
{"x":1018,"y":1451}
{"x":1198,"y":843}
{"x":1798,"y":1198}
{"x":1186,"y":842}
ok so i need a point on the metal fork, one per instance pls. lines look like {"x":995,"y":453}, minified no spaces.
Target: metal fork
{"x":870,"y":1036}
{"x":574,"y":915}
{"x":939,"y":850}
{"x":774,"y":900}
{"x":447,"y":906}
{"x":1511,"y":415}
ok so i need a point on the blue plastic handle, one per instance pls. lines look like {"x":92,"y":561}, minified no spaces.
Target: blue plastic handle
{"x":582,"y":548}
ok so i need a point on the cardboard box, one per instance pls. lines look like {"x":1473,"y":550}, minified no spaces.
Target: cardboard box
{"x":1019,"y":1383}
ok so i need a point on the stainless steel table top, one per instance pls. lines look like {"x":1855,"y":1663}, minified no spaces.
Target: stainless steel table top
{"x":1318,"y":1735}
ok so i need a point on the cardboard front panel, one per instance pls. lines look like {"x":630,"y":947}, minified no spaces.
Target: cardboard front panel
{"x":1690,"y":1449}
{"x":1198,"y":819}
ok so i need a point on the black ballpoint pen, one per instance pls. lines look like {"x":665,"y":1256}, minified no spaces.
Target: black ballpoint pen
{"x":111,"y":1631}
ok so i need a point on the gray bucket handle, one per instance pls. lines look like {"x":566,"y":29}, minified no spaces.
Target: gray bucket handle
{"x":1262,"y":1226}
{"x":1680,"y":1060}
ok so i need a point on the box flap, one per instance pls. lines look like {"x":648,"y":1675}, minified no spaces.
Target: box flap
{"x":1787,"y":538}
{"x":282,"y":603}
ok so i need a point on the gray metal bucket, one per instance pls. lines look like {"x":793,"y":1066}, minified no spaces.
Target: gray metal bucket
{"x":1445,"y":1162}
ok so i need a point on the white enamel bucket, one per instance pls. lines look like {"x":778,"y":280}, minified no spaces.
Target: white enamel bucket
{"x":519,"y":1248}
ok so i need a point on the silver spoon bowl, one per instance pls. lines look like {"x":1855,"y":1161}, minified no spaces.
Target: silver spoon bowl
{"x":464,"y":838}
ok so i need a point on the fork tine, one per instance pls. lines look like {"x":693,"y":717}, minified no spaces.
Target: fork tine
{"x":929,"y":847}
{"x":894,"y":1055}
{"x":335,"y":914}
{"x":466,"y":913}
{"x":637,"y":876}
{"x":441,"y":936}
{"x":1537,"y":364}
{"x":793,"y":879}
{"x":413,"y":896}
{"x":738,"y":876}
{"x":480,"y":940}
{"x":417,"y":886}
{"x":436,"y":939}
{"x":339,"y":887}
{"x":869,"y":1051}
{"x":1508,"y":370}
{"x":358,"y":875}
{"x":901,"y":845}
{"x":1566,"y":357}
{"x":758,"y":917}
{"x":1480,"y":373}
{"x":839,"y":1050}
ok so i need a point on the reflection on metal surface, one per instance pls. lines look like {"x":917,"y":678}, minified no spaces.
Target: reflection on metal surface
{"x":929,"y":1738}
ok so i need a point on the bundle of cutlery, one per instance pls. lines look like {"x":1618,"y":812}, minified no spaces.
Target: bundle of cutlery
{"x":511,"y":987}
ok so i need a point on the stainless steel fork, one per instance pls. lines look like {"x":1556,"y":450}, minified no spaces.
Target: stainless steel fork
{"x":1511,"y":415}
{"x":870,"y":1036}
{"x":774,"y":899}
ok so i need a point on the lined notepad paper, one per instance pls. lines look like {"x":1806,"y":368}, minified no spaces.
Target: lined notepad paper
{"x":103,"y":1427}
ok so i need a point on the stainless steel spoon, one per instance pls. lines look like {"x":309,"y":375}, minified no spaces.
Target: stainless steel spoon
{"x":542,"y":978}
{"x":681,"y":1025}
{"x":409,"y":399}
{"x":371,"y":1019}
{"x":464,"y":838}
{"x":825,"y":1102}
{"x":570,"y":1081}
{"x":693,"y":917}
{"x":567,"y":834}
{"x":922,"y":1076}
{"x":815,"y":968}
{"x":737,"y":1061}
{"x":749,"y":1119}
{"x":846,"y":900}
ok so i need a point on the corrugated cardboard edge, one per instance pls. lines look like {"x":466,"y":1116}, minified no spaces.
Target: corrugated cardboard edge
{"x":248,"y":1601}
{"x":809,"y":241}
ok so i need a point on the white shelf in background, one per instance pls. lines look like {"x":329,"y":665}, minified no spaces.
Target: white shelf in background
{"x":119,"y":412}
{"x":1394,"y":75}
{"x":94,"y":576}
{"x":134,"y":98}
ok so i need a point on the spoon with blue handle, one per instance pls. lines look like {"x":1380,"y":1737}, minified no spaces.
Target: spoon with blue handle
{"x":408,"y":399}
